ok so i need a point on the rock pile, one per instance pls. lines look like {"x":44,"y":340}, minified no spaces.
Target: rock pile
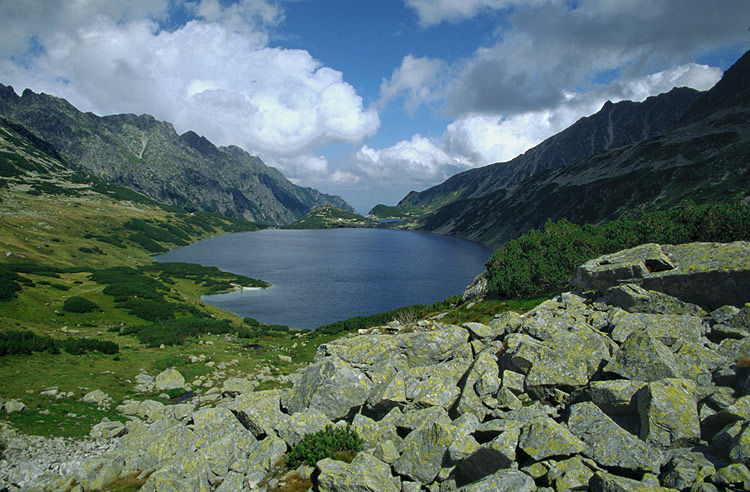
{"x":619,"y":389}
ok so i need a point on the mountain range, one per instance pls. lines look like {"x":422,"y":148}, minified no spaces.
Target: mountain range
{"x":148,"y":156}
{"x":628,"y":157}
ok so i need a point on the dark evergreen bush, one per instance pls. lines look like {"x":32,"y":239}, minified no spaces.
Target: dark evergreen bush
{"x":78,"y":304}
{"x":331,"y":442}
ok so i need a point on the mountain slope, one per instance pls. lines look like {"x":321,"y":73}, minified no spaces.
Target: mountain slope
{"x":703,"y":158}
{"x":148,"y":156}
{"x":613,"y":126}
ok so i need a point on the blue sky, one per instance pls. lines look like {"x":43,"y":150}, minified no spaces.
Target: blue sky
{"x":365,"y":99}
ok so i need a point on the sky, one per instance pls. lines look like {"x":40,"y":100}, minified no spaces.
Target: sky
{"x":367,"y":99}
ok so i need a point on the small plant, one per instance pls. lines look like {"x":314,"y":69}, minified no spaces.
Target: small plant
{"x":340,"y":443}
{"x":78,"y":304}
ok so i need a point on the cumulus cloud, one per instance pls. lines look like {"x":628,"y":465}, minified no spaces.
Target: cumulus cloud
{"x":551,"y":49}
{"x":419,"y":160}
{"x":215,"y":75}
{"x":417,"y":81}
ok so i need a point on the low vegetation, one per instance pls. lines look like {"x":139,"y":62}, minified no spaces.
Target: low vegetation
{"x":540,"y":262}
{"x":341,"y":443}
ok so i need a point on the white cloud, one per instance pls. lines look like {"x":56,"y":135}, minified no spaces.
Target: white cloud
{"x":214,"y":75}
{"x":549,"y":49}
{"x":417,"y":81}
{"x":419,"y":160}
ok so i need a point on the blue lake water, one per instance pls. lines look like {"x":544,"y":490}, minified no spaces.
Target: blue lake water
{"x":322,"y":276}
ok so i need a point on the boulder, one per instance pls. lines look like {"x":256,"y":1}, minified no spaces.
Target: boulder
{"x":609,"y":444}
{"x":484,"y":371}
{"x":502,"y":481}
{"x":707,"y":274}
{"x":260,"y":411}
{"x":424,"y":451}
{"x":543,"y":438}
{"x":331,"y":386}
{"x":169,"y":379}
{"x":635,"y":299}
{"x":614,"y":397}
{"x":607,"y":482}
{"x":685,"y":469}
{"x":97,"y":397}
{"x":570,"y":474}
{"x":667,"y":328}
{"x":293,"y":428}
{"x":364,"y":473}
{"x":13,"y":406}
{"x":669,"y":413}
{"x":643,"y":358}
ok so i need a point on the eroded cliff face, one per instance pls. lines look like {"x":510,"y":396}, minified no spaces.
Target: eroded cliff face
{"x":618,"y":388}
{"x":149,"y":156}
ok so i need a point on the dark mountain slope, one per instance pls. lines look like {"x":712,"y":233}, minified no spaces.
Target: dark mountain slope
{"x":148,"y":156}
{"x":706,"y":157}
{"x":615,"y":125}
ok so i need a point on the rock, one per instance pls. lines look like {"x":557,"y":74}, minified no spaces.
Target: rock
{"x":238,"y":386}
{"x":423,"y":452}
{"x":668,"y":329}
{"x":484,"y":366}
{"x":13,"y":406}
{"x":479,"y":331}
{"x":739,"y":452}
{"x":615,"y":397}
{"x":108,"y":430}
{"x":607,"y":482}
{"x":259,"y":411}
{"x":267,"y":453}
{"x":685,"y":469}
{"x":293,"y":428}
{"x":169,"y":379}
{"x":97,"y":397}
{"x":643,"y":358}
{"x":570,"y":474}
{"x":635,"y":299}
{"x":498,"y":453}
{"x":543,"y":438}
{"x":609,"y":444}
{"x":364,"y":473}
{"x":707,"y":274}
{"x":514,"y":381}
{"x":331,"y":386}
{"x":502,"y":481}
{"x":669,"y":413}
{"x":733,"y":474}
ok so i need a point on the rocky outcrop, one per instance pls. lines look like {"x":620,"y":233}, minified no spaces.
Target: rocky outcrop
{"x":576,"y":394}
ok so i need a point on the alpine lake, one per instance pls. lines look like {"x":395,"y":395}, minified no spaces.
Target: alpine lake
{"x":322,"y":276}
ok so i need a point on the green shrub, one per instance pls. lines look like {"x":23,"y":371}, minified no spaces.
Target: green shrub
{"x":23,"y":342}
{"x":540,"y":262}
{"x":331,"y":442}
{"x":78,"y":304}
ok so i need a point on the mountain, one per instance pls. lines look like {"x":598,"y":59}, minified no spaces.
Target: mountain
{"x":615,"y":125}
{"x":149,"y":157}
{"x":703,"y":157}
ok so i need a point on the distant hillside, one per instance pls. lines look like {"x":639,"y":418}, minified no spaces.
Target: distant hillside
{"x":615,"y":125}
{"x":330,"y":217}
{"x":704,"y":158}
{"x":148,"y":156}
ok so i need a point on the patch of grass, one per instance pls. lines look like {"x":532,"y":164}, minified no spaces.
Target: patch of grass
{"x":64,"y":417}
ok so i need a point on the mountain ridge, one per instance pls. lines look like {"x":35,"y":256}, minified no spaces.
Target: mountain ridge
{"x":702,"y":158}
{"x":614,"y":125}
{"x":150,"y":157}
